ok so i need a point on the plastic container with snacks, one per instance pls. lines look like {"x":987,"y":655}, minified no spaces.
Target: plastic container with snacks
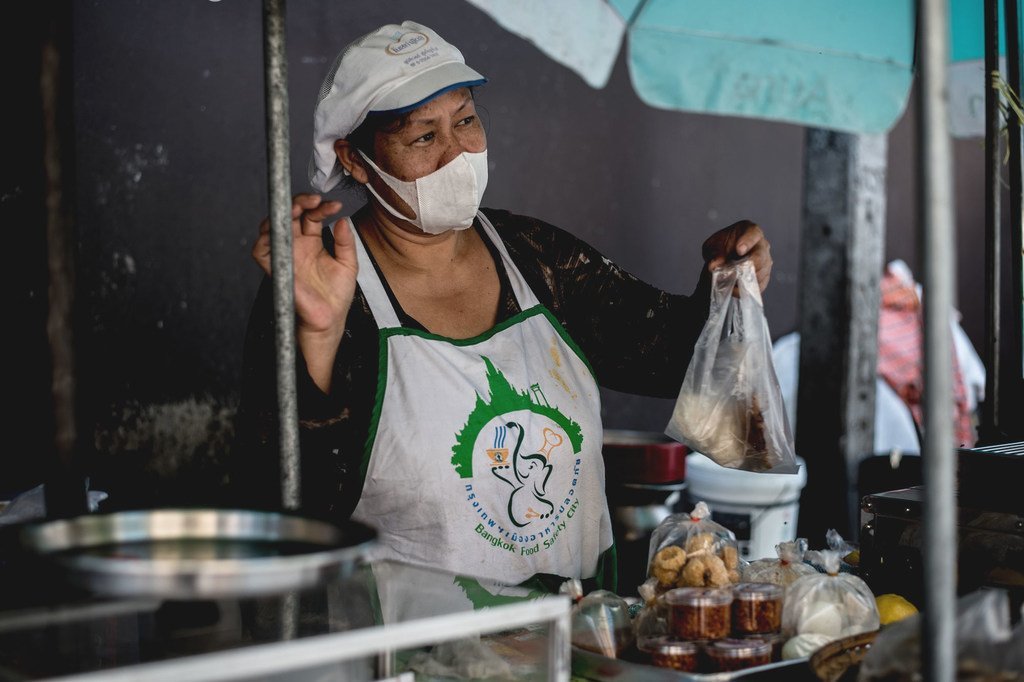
{"x":668,"y":652}
{"x":757,"y":608}
{"x":699,"y":613}
{"x":776,"y":639}
{"x":726,"y":655}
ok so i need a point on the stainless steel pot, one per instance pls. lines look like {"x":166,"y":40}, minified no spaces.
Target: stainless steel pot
{"x":195,"y":553}
{"x":645,"y":472}
{"x":643,"y":457}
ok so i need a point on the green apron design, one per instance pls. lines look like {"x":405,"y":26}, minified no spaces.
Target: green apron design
{"x":484,"y":454}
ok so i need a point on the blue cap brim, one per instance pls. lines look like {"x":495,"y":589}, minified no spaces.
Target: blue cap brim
{"x":410,"y":107}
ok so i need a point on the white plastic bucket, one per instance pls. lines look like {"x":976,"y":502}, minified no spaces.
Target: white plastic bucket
{"x":761,"y":509}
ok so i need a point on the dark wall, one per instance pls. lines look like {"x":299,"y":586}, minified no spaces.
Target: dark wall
{"x":172,"y":185}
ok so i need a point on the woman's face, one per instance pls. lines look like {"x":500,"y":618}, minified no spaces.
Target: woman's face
{"x":432,"y":136}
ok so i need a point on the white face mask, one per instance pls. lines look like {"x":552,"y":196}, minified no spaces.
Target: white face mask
{"x":446,"y":199}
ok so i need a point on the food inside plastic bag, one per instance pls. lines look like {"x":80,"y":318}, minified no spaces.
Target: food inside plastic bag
{"x":832,"y":604}
{"x":464,"y":659}
{"x":986,"y":647}
{"x":730,"y":406}
{"x":782,"y":570}
{"x":690,"y":550}
{"x":601,"y":623}
{"x":651,"y":623}
{"x":802,"y":646}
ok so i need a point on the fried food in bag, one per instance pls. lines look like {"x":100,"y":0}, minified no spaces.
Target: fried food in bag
{"x":784,"y":569}
{"x":690,"y":550}
{"x":730,"y":406}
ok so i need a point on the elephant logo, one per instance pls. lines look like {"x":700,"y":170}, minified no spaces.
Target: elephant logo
{"x":526,"y":473}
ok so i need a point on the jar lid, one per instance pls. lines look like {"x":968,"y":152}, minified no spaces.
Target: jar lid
{"x":698,"y":596}
{"x":739,"y":648}
{"x":757,"y":591}
{"x":668,"y":645}
{"x":770,"y":637}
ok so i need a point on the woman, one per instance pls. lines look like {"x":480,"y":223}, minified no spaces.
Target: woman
{"x":450,"y":357}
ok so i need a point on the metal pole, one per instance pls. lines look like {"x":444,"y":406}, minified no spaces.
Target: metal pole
{"x":935,"y":212}
{"x":279,"y":180}
{"x":64,"y":492}
{"x":1016,"y":365}
{"x":990,"y":426}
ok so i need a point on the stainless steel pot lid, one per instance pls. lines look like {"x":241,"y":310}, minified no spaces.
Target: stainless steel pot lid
{"x":196,"y":553}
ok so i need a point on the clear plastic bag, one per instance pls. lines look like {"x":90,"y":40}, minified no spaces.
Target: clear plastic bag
{"x":691,"y":550}
{"x":601,"y":623}
{"x":849,"y":552}
{"x":651,"y":624}
{"x":783,"y":570}
{"x":832,"y":604}
{"x":986,"y":647}
{"x":464,"y":659}
{"x":730,"y":406}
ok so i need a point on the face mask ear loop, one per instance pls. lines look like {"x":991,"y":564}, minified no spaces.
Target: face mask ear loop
{"x":391,"y":182}
{"x":391,"y":209}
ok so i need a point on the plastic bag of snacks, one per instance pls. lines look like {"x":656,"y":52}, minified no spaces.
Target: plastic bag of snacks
{"x":730,"y":406}
{"x":830,"y":604}
{"x":690,"y":550}
{"x":781,"y":570}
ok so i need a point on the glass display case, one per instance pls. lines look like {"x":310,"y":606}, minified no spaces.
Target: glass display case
{"x":378,"y":621}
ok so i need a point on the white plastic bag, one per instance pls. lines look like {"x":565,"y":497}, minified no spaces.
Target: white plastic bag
{"x":730,"y":407}
{"x":782,"y":570}
{"x":832,"y":604}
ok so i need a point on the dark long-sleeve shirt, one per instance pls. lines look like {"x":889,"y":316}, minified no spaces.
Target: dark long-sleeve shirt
{"x":637,"y":338}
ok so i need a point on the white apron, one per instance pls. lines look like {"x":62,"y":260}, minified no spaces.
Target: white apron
{"x":484,"y":454}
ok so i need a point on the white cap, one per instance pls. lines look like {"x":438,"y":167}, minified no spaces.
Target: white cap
{"x":395,"y":68}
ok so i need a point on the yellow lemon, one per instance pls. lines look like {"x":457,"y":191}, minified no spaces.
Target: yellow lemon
{"x":893,"y":607}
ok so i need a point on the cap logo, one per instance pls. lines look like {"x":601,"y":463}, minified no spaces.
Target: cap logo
{"x":406,"y":42}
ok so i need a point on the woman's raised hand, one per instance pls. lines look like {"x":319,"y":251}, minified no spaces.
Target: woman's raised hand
{"x":742,"y":239}
{"x":324,"y":284}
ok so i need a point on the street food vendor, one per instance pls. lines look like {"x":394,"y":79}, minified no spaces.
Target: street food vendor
{"x":450,"y":357}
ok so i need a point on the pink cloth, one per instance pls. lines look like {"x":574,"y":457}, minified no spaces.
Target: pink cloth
{"x":900,"y":354}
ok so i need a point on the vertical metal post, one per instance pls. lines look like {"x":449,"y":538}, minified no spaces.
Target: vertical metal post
{"x":842,"y":244}
{"x":279,"y":180}
{"x":990,"y":426}
{"x":935,"y":201}
{"x":559,"y":636}
{"x":1013,"y":77}
{"x":65,"y":492}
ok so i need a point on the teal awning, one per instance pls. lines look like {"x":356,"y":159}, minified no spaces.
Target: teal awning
{"x":824,"y":63}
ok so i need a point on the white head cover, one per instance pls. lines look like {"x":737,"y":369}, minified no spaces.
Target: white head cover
{"x":395,"y":68}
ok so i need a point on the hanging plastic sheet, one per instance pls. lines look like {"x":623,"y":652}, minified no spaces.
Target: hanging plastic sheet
{"x":828,"y":64}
